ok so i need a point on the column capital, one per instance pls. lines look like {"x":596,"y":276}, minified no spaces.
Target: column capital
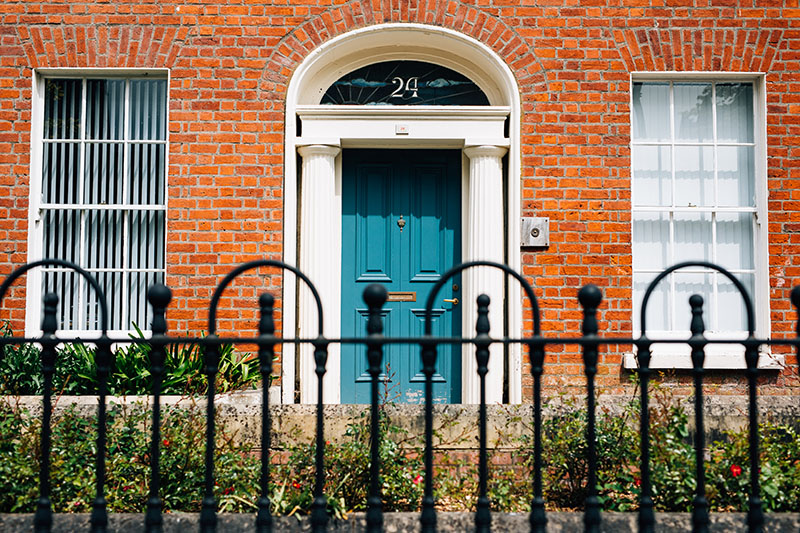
{"x":485,"y":150}
{"x":318,"y":149}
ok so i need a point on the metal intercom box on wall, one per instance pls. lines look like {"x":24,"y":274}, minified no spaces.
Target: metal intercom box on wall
{"x":535,"y":232}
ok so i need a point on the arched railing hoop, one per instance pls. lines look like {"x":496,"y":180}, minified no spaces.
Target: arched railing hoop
{"x":212,"y":313}
{"x":751,"y":329}
{"x":469,"y":264}
{"x":101,"y":296}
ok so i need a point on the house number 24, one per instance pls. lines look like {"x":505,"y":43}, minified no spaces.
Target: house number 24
{"x":403,"y":87}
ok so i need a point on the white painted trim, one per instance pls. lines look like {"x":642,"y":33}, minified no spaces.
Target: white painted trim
{"x":718,"y":357}
{"x":385,"y":42}
{"x":34,"y":278}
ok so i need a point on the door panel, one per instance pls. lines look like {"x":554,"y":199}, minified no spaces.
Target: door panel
{"x":378,"y":187}
{"x":372,"y":200}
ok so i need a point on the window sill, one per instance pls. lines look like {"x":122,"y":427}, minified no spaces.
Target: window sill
{"x":730,"y":357}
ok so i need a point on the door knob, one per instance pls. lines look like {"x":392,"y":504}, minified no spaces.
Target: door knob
{"x":453,"y":301}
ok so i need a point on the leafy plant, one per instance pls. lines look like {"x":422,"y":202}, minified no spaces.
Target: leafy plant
{"x":76,"y":372}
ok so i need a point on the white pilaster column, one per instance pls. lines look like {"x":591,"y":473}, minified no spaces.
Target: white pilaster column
{"x":319,"y":257}
{"x":485,"y":241}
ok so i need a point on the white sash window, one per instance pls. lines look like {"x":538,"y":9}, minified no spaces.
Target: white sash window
{"x":99,"y":196}
{"x":697,"y":194}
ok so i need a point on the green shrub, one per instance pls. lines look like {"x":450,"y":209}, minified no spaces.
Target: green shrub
{"x":128,"y":461}
{"x":76,"y":372}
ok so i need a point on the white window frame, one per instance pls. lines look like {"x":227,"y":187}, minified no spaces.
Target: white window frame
{"x":718,"y":356}
{"x":33,"y":314}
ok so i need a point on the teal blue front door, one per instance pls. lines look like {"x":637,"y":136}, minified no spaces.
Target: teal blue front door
{"x":401,"y":227}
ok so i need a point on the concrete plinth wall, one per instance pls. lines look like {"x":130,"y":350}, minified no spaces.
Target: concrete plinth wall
{"x":405,"y":523}
{"x":455,"y":424}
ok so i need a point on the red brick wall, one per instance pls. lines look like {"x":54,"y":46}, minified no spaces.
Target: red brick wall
{"x":230,"y":63}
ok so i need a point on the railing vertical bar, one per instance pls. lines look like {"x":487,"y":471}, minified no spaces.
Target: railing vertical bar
{"x":700,"y":518}
{"x":755,"y":513}
{"x":483,"y":516}
{"x":646,"y":516}
{"x":319,"y":508}
{"x":208,"y":510}
{"x":266,"y":355}
{"x":43,"y":519}
{"x":99,"y":518}
{"x":538,"y":519}
{"x":590,"y":297}
{"x":159,"y":297}
{"x":375,"y":296}
{"x":428,"y":516}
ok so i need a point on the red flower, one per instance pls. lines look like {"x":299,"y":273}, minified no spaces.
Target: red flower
{"x":736,"y":470}
{"x":296,"y":485}
{"x":637,"y":482}
{"x":166,"y":443}
{"x":417,"y":479}
{"x":228,"y":490}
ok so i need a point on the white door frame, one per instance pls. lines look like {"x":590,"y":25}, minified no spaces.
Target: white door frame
{"x":371,"y":127}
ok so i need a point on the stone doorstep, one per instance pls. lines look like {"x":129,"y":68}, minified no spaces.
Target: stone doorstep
{"x":557,"y":522}
{"x":456,"y":423}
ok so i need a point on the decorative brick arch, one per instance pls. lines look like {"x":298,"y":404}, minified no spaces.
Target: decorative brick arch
{"x":734,"y":49}
{"x":458,"y":16}
{"x":102,"y":46}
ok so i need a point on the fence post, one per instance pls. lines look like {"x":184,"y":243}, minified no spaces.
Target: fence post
{"x":208,"y":510}
{"x":375,"y":296}
{"x":483,"y":516}
{"x":99,"y":518}
{"x":755,"y":514}
{"x":319,"y":508}
{"x":700,"y":518}
{"x":537,"y":519}
{"x":646,"y":517}
{"x":428,"y":516}
{"x":159,"y":297}
{"x":266,"y":355}
{"x":590,"y":297}
{"x":43,"y":519}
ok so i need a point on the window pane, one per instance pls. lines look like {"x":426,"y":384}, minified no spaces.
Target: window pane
{"x":105,"y":105}
{"x":694,"y":176}
{"x":140,"y":311}
{"x":66,"y":285}
{"x":104,"y":238}
{"x":736,"y":176}
{"x":111,"y":285}
{"x":693,"y":112}
{"x":687,"y":285}
{"x":103,"y":177}
{"x":735,"y":240}
{"x":146,"y":174}
{"x":60,"y":172}
{"x":61,"y":234}
{"x":735,"y":112}
{"x":62,"y":109}
{"x":657,"y":306}
{"x":146,"y":239}
{"x":651,"y":241}
{"x":148,"y":109}
{"x":651,"y":112}
{"x":732,"y":315}
{"x":692,"y":237}
{"x":652,"y":176}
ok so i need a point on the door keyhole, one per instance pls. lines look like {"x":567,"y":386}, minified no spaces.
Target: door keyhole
{"x":401,"y":223}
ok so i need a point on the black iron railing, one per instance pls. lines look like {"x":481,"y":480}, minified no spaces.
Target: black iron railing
{"x":375,"y":296}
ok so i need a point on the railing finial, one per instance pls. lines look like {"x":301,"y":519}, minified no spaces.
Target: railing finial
{"x":159,"y":297}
